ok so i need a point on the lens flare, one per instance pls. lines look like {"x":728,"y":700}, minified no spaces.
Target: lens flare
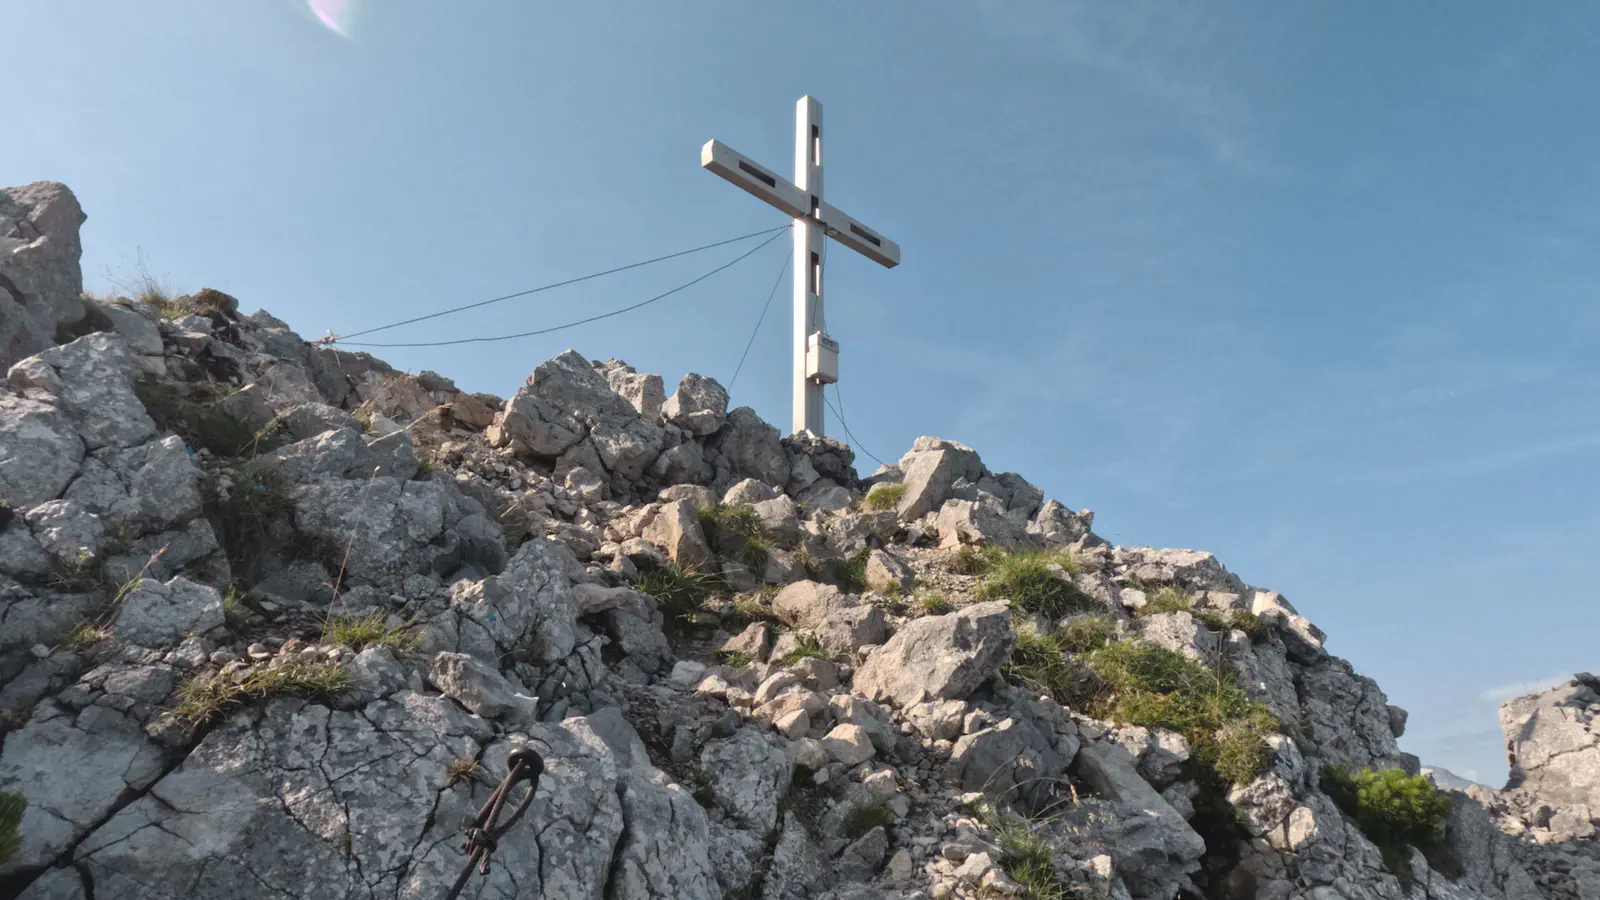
{"x":337,"y":15}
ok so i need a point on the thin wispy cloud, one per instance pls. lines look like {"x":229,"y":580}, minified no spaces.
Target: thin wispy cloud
{"x":1499,"y":695}
{"x":1157,"y":51}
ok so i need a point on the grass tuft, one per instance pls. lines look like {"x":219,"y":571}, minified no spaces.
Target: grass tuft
{"x":1025,"y":853}
{"x":467,"y":770}
{"x":12,"y":806}
{"x":852,"y":573}
{"x":86,"y":636}
{"x":1165,"y":600}
{"x":809,"y":648}
{"x":885,"y":496}
{"x":202,"y":698}
{"x":931,"y":603}
{"x":735,"y":530}
{"x":1031,"y":583}
{"x":1042,"y":662}
{"x":1085,"y":634}
{"x":734,"y":658}
{"x":678,"y":592}
{"x":371,"y":630}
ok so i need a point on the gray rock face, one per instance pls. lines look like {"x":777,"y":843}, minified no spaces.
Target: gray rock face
{"x":140,"y":490}
{"x":39,"y":451}
{"x":699,"y":407}
{"x":309,"y":799}
{"x":157,"y":615}
{"x":386,"y":523}
{"x":41,"y":286}
{"x":1346,"y":717}
{"x":91,"y":379}
{"x":1554,"y":748}
{"x":982,"y":522}
{"x":939,"y":657}
{"x":528,"y":608}
{"x":106,"y":755}
{"x":748,"y":777}
{"x":750,"y":448}
{"x":1015,"y":759}
{"x":1156,"y":848}
{"x":1183,"y":634}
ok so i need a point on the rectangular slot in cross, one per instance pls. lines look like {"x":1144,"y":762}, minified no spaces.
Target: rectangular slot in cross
{"x":816,"y":145}
{"x":757,"y":174}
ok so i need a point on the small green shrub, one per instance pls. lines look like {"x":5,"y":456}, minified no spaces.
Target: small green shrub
{"x":1239,"y":751}
{"x":866,"y":817}
{"x":244,"y":519}
{"x":734,"y":658}
{"x":809,"y":648}
{"x":1235,"y":620}
{"x":1395,"y":810}
{"x":1028,"y":581}
{"x":204,"y":698}
{"x":884,"y":496}
{"x":12,"y":806}
{"x":371,"y":630}
{"x":736,"y":531}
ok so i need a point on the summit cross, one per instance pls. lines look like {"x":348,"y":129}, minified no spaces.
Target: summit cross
{"x":816,"y":355}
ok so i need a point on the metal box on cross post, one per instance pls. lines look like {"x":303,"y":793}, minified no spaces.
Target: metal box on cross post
{"x":822,"y":358}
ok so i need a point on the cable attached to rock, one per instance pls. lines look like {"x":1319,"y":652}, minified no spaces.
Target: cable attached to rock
{"x":483,"y":836}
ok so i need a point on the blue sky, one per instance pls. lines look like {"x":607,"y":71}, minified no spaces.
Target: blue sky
{"x":1312,"y":286}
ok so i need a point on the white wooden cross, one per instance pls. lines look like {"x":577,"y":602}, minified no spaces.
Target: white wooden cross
{"x":816,"y":355}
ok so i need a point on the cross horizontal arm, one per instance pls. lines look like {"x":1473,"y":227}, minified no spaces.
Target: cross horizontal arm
{"x":758,"y":180}
{"x":783,"y":194}
{"x":858,"y":237}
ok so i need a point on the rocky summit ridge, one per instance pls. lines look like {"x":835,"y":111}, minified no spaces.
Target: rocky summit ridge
{"x":273,"y":615}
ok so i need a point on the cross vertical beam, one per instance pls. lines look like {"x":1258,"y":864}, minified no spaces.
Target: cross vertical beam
{"x":808,"y":238}
{"x":816,"y":356}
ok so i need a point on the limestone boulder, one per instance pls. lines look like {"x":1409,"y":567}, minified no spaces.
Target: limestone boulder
{"x":676,"y":529}
{"x":939,"y":657}
{"x":840,"y":621}
{"x":41,"y":283}
{"x":700,"y":405}
{"x":1554,"y":747}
